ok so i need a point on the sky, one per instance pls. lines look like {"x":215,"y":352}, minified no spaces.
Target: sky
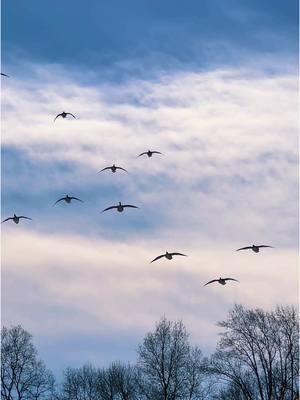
{"x":214,"y":87}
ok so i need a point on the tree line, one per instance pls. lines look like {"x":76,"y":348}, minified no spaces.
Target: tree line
{"x":257,"y":358}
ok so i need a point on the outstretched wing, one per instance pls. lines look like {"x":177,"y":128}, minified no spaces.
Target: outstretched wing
{"x":214,"y":280}
{"x":4,"y":74}
{"x":244,"y":248}
{"x":7,"y":219}
{"x":109,"y":208}
{"x":123,"y":169}
{"x":104,"y":169}
{"x":58,"y":115}
{"x":157,"y":258}
{"x":230,"y":279}
{"x":178,"y":254}
{"x":129,"y":205}
{"x":76,"y":198}
{"x":57,"y":201}
{"x":23,"y":216}
{"x":264,"y":245}
{"x":156,"y":152}
{"x":71,"y":114}
{"x":145,"y":152}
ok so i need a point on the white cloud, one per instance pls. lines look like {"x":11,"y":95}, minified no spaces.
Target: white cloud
{"x":228,"y":178}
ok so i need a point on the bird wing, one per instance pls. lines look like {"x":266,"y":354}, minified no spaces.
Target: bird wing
{"x":214,"y":280}
{"x":129,"y":205}
{"x":230,"y":279}
{"x":156,"y":152}
{"x":244,"y":248}
{"x":264,"y":245}
{"x":178,"y":254}
{"x":145,"y":152}
{"x":157,"y":258}
{"x":104,"y":169}
{"x":76,"y":198}
{"x":63,"y":198}
{"x":123,"y":169}
{"x":23,"y":216}
{"x":109,"y":208}
{"x":71,"y":114}
{"x":58,"y":115}
{"x":7,"y":219}
{"x":4,"y":75}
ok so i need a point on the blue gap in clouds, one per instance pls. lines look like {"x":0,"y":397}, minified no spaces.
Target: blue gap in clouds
{"x":31,"y":188}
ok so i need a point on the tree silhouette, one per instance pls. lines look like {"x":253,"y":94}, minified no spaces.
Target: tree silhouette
{"x":23,"y":376}
{"x":258,"y":353}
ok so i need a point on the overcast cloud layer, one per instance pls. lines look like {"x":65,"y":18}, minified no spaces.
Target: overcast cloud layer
{"x":228,"y":177}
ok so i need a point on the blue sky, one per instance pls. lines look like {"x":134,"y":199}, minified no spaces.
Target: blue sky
{"x":165,"y":33}
{"x":211,"y":84}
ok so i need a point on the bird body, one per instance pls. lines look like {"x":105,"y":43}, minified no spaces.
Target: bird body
{"x":149,"y":153}
{"x":16,"y":218}
{"x":221,"y":281}
{"x":67,"y":199}
{"x":120,"y":207}
{"x":64,"y":115}
{"x":4,"y":74}
{"x":169,"y":256}
{"x":254,"y":248}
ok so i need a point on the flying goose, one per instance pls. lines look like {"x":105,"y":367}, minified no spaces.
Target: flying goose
{"x":254,"y":248}
{"x":4,"y":74}
{"x":113,"y":169}
{"x":168,"y":256}
{"x":63,"y":115}
{"x":67,"y":199}
{"x":120,"y":207}
{"x":16,"y":219}
{"x":149,"y":153}
{"x":222,"y":281}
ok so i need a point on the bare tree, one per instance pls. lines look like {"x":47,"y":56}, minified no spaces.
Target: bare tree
{"x":259,"y":353}
{"x":169,"y":368}
{"x":81,"y":383}
{"x":118,"y":382}
{"x":23,"y":376}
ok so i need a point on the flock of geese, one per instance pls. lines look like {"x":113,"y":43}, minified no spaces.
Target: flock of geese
{"x":120,"y":208}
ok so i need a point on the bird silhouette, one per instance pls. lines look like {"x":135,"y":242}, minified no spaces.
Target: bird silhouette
{"x":64,"y":115}
{"x":149,"y":153}
{"x":16,"y":219}
{"x":254,"y":248}
{"x":222,"y":281}
{"x":67,"y":199}
{"x":113,"y":169}
{"x":120,"y":207}
{"x":168,"y":256}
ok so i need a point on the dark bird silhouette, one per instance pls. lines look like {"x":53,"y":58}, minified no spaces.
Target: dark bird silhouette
{"x":4,"y":74}
{"x":168,"y":256}
{"x":254,"y":248}
{"x":222,"y":281}
{"x":113,"y":169}
{"x":149,"y":153}
{"x":16,"y":219}
{"x":67,"y":199}
{"x":120,"y":207}
{"x":63,"y":115}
